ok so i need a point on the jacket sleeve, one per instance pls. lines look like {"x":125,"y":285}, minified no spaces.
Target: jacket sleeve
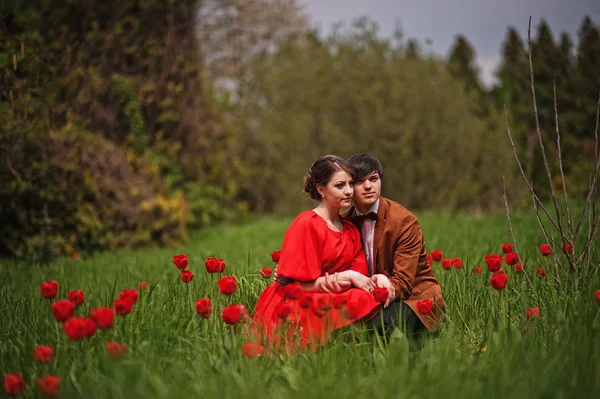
{"x":406,"y":257}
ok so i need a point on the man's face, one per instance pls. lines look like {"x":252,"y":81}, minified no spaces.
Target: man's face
{"x":367,"y":191}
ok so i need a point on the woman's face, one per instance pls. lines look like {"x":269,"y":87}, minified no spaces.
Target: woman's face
{"x":338,"y":191}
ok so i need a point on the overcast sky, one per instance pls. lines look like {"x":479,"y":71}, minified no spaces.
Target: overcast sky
{"x":483,"y":22}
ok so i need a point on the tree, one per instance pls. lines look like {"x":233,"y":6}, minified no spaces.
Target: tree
{"x":413,"y":49}
{"x":233,"y":32}
{"x":513,"y":89}
{"x":461,"y":63}
{"x":588,"y":78}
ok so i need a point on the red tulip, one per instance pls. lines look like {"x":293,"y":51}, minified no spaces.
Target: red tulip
{"x":428,"y":259}
{"x":49,"y":385}
{"x":233,"y":314}
{"x":477,"y":270}
{"x":339,"y":301}
{"x":494,"y":262}
{"x":76,"y":297}
{"x":43,"y":354}
{"x":568,"y":248}
{"x":425,"y":306}
{"x":324,"y":302}
{"x":511,"y":259}
{"x":275,"y":256}
{"x":180,"y":261}
{"x":103,"y":317}
{"x":447,"y":263}
{"x":14,"y":384}
{"x":123,"y":306}
{"x":283,"y":310}
{"x":532,"y":313}
{"x":499,"y":280}
{"x":131,"y":295}
{"x":437,"y":255}
{"x":507,"y":248}
{"x":227,"y":285}
{"x":381,"y":294}
{"x":143,"y":285}
{"x":115,"y":350}
{"x":204,"y":307}
{"x":292,"y":291}
{"x":90,"y":327}
{"x":63,"y":309}
{"x":214,"y":265}
{"x":186,"y":276}
{"x":74,"y":255}
{"x":519,"y":268}
{"x":318,"y":311}
{"x":541,"y":273}
{"x":457,"y":263}
{"x":351,"y":310}
{"x":77,"y":328}
{"x":252,"y":349}
{"x":545,"y":249}
{"x":305,"y":300}
{"x":266,"y":273}
{"x":49,"y":289}
{"x":597,"y":296}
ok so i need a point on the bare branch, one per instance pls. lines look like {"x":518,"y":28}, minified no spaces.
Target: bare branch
{"x":592,"y":190}
{"x":511,"y":231}
{"x":539,"y":134}
{"x":564,"y":185}
{"x":535,"y":197}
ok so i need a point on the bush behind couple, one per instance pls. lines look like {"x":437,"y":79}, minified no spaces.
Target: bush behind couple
{"x":375,"y":243}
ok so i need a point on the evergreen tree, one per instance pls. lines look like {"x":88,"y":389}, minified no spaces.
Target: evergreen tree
{"x":461,"y":63}
{"x":546,"y":58}
{"x":513,"y":89}
{"x":588,"y":78}
{"x":565,"y":86}
{"x":413,"y":50}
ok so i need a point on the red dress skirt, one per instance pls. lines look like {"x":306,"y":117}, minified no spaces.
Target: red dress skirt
{"x":310,"y":249}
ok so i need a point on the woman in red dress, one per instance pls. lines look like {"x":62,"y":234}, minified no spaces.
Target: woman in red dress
{"x":323,"y":281}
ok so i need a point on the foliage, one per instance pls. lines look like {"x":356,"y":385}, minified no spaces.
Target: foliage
{"x":356,"y":92}
{"x":174,"y":353}
{"x":107,"y":124}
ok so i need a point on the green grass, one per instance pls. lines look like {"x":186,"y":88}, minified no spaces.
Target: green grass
{"x":174,"y":353}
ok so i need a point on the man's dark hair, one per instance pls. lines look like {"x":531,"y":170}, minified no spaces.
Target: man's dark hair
{"x":363,"y":164}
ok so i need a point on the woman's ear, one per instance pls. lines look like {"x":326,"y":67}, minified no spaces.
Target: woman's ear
{"x":321,"y":191}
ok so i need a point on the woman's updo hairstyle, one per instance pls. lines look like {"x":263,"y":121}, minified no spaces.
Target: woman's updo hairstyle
{"x":320,"y":173}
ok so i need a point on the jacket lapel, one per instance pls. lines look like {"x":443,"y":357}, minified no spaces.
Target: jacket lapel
{"x":379,"y":228}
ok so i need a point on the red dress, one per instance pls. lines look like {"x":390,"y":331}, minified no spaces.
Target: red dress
{"x":310,"y":249}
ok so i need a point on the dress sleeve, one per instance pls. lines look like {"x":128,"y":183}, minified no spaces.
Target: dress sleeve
{"x":359,"y":261}
{"x":302,"y":249}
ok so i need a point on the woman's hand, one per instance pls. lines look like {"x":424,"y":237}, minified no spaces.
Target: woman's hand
{"x":381,"y":281}
{"x":361,"y":281}
{"x":335,"y":283}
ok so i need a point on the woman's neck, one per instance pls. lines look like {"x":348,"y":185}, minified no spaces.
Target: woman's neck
{"x":329,"y":213}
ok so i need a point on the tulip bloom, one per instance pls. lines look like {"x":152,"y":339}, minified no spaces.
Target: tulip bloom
{"x":49,"y":289}
{"x":180,"y":261}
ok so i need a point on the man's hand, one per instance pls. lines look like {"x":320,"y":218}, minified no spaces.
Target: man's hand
{"x":361,"y":281}
{"x":381,"y":281}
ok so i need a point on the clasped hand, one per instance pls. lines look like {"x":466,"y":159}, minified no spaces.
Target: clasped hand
{"x":340,"y":282}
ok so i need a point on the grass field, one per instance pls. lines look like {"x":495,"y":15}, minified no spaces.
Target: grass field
{"x":172,"y":352}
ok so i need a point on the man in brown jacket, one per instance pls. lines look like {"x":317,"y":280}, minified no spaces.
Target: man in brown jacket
{"x":395,"y":250}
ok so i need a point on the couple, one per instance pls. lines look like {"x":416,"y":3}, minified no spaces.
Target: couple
{"x":331,"y":264}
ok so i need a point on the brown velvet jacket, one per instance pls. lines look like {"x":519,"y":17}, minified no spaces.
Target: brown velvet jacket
{"x":399,"y":253}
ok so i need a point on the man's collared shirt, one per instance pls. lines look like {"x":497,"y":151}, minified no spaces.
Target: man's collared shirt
{"x":367,"y":230}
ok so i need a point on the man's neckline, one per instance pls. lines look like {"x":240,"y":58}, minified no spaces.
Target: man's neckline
{"x":374,"y":208}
